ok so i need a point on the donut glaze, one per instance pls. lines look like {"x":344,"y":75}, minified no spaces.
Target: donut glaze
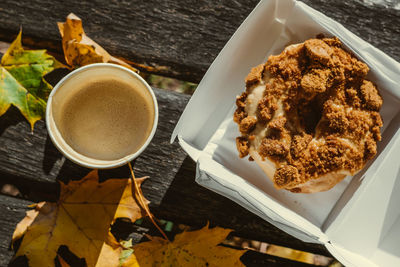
{"x":308,"y":116}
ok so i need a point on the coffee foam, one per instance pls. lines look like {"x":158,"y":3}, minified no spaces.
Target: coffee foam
{"x":121,"y":108}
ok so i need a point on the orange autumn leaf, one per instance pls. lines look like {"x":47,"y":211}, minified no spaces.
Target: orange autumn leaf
{"x":80,"y":220}
{"x":79,"y":49}
{"x":195,"y":248}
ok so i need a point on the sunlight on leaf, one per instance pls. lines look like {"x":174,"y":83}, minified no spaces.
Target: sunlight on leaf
{"x":80,"y":220}
{"x":195,"y":248}
{"x":79,"y":49}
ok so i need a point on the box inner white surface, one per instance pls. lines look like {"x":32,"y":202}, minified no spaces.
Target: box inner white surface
{"x":359,"y":214}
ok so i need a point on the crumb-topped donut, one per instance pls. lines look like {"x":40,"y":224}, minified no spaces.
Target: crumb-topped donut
{"x":308,"y":116}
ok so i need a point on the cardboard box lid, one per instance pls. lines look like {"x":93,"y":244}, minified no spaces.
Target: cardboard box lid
{"x":267,"y":30}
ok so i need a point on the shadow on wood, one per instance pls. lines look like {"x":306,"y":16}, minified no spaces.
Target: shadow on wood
{"x":11,"y":118}
{"x":51,"y":155}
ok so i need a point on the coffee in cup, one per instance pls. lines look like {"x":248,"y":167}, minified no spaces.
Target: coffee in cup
{"x":101,"y":115}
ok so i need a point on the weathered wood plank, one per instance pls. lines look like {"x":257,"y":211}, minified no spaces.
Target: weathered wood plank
{"x":257,"y":259}
{"x":181,"y":39}
{"x":13,"y":210}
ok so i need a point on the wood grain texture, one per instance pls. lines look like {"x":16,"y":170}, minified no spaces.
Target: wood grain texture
{"x":257,"y":259}
{"x":180,"y":39}
{"x":12,"y":210}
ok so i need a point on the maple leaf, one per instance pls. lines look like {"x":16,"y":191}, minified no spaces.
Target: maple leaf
{"x":21,"y":80}
{"x":80,"y":220}
{"x":195,"y":248}
{"x":79,"y":49}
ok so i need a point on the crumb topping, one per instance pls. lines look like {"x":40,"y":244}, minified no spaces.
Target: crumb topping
{"x":286,"y":175}
{"x":299,"y":144}
{"x":255,"y":75}
{"x":369,"y":94}
{"x":240,"y":113}
{"x":317,"y":113}
{"x":273,"y":148}
{"x":247,"y":124}
{"x":242,"y":145}
{"x":278,"y":124}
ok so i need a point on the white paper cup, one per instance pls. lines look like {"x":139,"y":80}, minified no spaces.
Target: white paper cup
{"x":94,"y":70}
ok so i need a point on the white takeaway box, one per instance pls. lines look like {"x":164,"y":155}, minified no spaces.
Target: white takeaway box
{"x":359,"y":219}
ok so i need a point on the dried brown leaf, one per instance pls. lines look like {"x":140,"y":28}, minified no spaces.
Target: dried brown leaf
{"x":79,"y":49}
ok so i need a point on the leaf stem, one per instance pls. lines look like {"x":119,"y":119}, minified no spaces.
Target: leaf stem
{"x":143,"y":204}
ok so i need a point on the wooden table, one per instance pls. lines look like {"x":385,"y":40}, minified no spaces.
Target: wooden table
{"x":173,"y":38}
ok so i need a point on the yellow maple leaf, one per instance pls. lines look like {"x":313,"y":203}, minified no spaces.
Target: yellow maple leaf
{"x":195,"y":248}
{"x":79,"y":49}
{"x":80,"y":220}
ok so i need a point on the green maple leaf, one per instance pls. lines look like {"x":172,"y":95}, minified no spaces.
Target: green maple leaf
{"x":22,"y":82}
